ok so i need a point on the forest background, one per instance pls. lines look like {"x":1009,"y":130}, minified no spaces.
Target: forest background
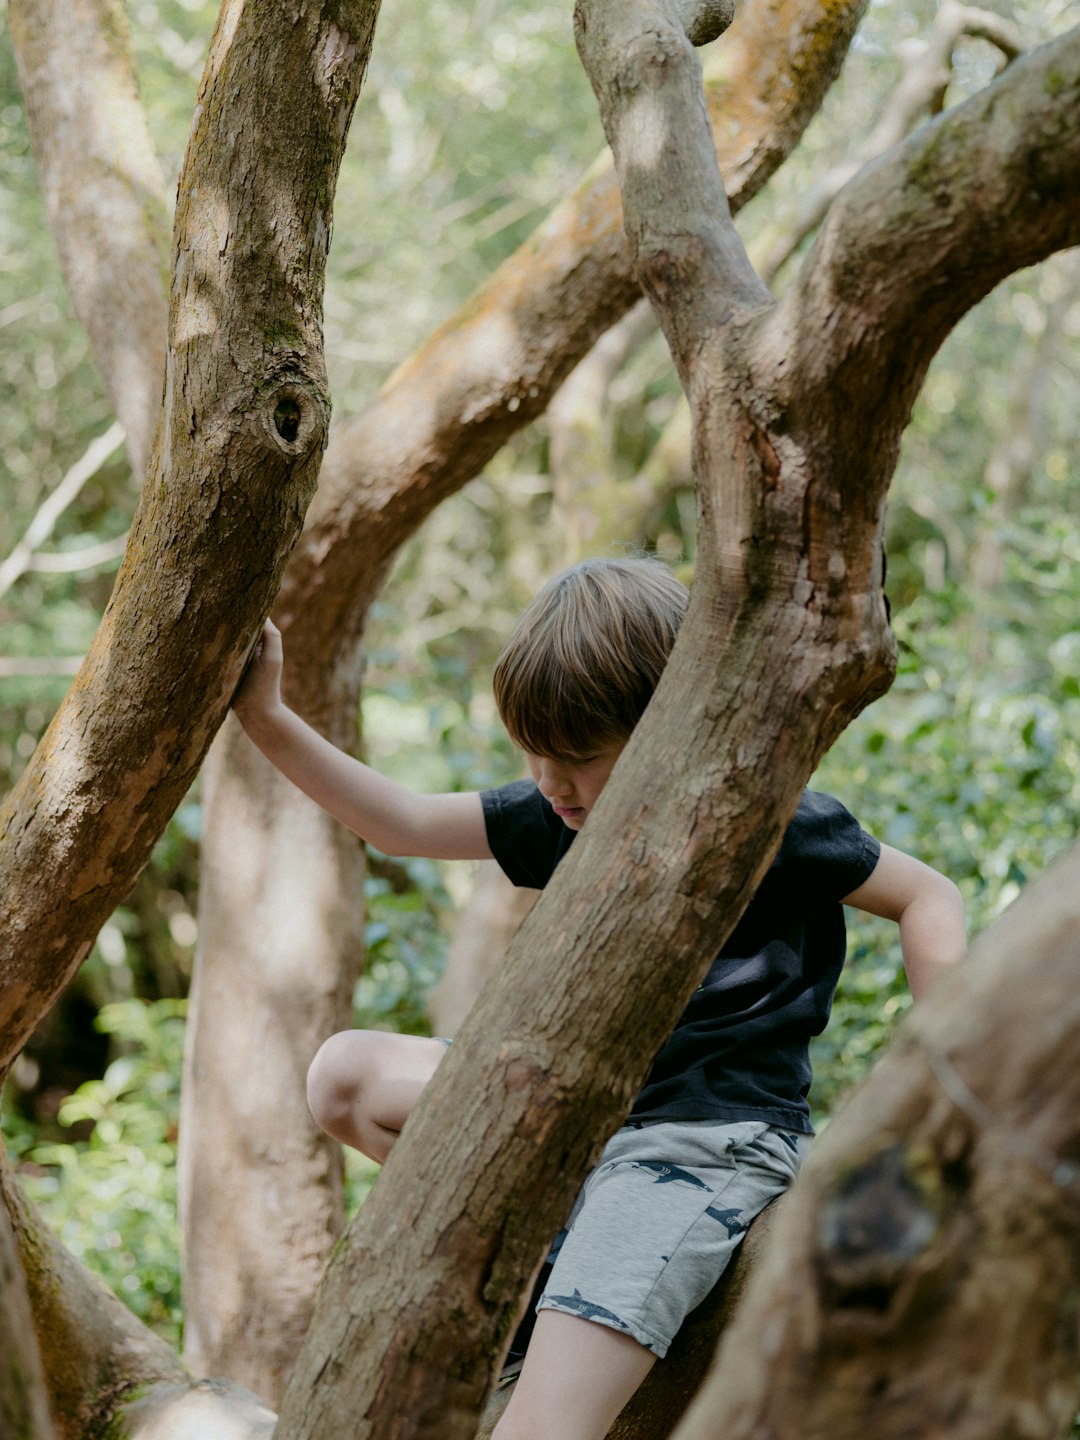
{"x":478,"y":118}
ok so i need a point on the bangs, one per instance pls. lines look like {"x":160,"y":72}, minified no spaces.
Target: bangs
{"x":545,"y":715}
{"x":584,"y":659}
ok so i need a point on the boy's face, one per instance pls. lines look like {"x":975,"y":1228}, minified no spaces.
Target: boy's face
{"x":572,"y":783}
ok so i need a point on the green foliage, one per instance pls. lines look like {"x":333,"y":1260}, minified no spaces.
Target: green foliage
{"x":972,"y":766}
{"x":111,"y":1197}
{"x":405,"y":943}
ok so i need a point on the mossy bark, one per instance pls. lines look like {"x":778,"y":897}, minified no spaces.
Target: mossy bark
{"x":926,"y":1280}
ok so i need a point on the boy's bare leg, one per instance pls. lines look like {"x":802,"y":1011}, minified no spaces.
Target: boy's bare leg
{"x":363,"y":1084}
{"x":576,"y":1378}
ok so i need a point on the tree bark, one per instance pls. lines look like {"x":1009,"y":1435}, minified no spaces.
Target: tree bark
{"x":258,"y":1225}
{"x":446,"y":411}
{"x":24,"y":1406}
{"x":934,"y":1249}
{"x":892,"y":265}
{"x":104,"y":194}
{"x":792,"y":493}
{"x":233,"y":470}
{"x":921,"y":92}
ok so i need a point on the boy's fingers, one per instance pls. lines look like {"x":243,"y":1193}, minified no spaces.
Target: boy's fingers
{"x":269,"y":642}
{"x":256,"y":652}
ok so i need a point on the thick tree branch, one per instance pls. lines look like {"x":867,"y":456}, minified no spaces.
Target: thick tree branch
{"x":921,"y":91}
{"x":684,"y":247}
{"x":233,"y":470}
{"x":104,"y":193}
{"x":935,"y":1246}
{"x":920,"y":236}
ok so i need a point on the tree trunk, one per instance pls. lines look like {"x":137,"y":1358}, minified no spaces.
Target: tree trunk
{"x":104,"y":193}
{"x":233,"y":468}
{"x":925,"y":1280}
{"x":244,"y":424}
{"x":268,"y":1240}
{"x":437,"y":421}
{"x":24,"y":1406}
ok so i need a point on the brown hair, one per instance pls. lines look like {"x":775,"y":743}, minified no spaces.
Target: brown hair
{"x":585,"y":657}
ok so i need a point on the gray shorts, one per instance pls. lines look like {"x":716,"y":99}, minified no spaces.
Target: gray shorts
{"x":659,"y":1218}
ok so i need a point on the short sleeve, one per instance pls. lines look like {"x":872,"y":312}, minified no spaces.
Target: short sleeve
{"x":825,"y":853}
{"x":526,"y":837}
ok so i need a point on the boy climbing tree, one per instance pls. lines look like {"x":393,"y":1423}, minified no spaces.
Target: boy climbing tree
{"x":721,"y":1125}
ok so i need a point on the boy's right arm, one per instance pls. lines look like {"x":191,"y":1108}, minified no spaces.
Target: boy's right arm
{"x":379,"y":810}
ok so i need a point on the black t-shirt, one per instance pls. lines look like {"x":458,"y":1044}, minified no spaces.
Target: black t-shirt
{"x":739,"y":1052}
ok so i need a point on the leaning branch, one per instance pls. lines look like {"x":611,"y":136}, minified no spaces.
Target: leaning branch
{"x":232,"y":472}
{"x":920,"y":92}
{"x":935,"y":1248}
{"x":920,"y":236}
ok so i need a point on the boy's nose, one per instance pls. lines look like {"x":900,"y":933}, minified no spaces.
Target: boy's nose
{"x":553,"y":781}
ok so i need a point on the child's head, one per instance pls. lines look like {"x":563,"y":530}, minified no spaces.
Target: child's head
{"x":584,"y":659}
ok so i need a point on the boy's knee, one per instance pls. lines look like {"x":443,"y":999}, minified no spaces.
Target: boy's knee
{"x":335,"y":1080}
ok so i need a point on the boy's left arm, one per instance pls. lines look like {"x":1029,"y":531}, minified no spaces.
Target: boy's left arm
{"x":928,"y":908}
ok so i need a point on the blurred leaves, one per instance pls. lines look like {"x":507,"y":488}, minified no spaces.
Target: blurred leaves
{"x":111,"y":1197}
